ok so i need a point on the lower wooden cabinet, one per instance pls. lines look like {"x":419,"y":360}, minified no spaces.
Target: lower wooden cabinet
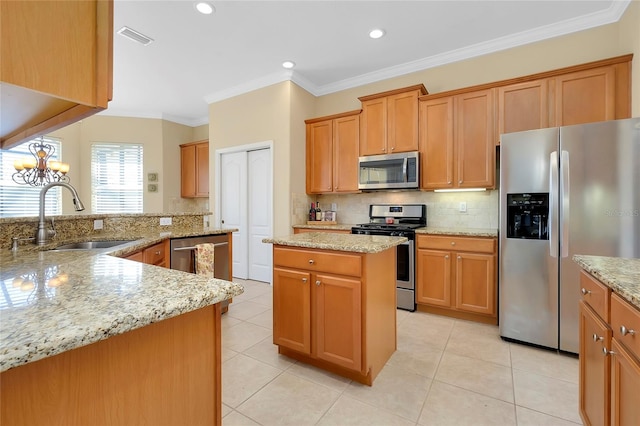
{"x":157,"y":254}
{"x":609,"y":359}
{"x":457,"y":274}
{"x":320,"y":314}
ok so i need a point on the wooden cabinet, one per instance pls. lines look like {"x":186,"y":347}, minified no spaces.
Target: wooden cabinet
{"x":332,"y":153}
{"x":457,"y":141}
{"x":157,"y":254}
{"x":194,"y":170}
{"x":609,"y":356}
{"x":389,"y":121}
{"x":56,"y":65}
{"x":320,"y":314}
{"x":522,"y":106}
{"x":457,"y":275}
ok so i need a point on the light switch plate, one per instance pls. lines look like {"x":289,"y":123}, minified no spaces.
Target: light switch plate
{"x":164,"y":221}
{"x":463,"y":206}
{"x":98,"y":224}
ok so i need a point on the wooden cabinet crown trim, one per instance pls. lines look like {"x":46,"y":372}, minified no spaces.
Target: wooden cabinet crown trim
{"x":195,"y":143}
{"x":531,"y":77}
{"x":333,"y":116}
{"x":420,"y":87}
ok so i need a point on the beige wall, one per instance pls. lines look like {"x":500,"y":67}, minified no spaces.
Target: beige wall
{"x":263,"y":115}
{"x":161,"y":140}
{"x":629,"y":33}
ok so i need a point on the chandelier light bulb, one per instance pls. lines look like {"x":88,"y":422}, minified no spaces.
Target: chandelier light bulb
{"x":39,"y":170}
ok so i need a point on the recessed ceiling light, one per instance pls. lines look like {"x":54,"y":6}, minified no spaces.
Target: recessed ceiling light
{"x":376,"y":33}
{"x":205,"y":8}
{"x":288,"y":64}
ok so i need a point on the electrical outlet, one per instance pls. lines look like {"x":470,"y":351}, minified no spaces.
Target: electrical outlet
{"x":165,"y":221}
{"x":98,"y":224}
{"x":463,"y":207}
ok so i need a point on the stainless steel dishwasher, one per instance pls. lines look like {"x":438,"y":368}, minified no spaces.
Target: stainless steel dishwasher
{"x":183,"y":254}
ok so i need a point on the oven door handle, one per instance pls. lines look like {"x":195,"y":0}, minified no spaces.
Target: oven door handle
{"x":193,"y":247}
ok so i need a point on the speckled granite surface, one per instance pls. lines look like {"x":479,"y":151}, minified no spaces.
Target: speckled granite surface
{"x":462,"y":232}
{"x":339,"y":242}
{"x":621,"y":275}
{"x":55,"y":301}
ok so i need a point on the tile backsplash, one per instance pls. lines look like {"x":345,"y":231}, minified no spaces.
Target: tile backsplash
{"x":442,"y":207}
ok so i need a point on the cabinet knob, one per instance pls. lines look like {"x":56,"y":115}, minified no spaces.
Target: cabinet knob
{"x":584,"y":291}
{"x":453,"y":243}
{"x":460,"y":181}
{"x":304,"y":280}
{"x":393,"y":148}
{"x":318,"y":283}
{"x":446,"y":257}
{"x":158,"y":252}
{"x":459,"y":258}
{"x":329,"y":188}
{"x":597,"y":338}
{"x":624,"y":331}
{"x":448,"y":182}
{"x":606,"y":352}
{"x":311,"y":262}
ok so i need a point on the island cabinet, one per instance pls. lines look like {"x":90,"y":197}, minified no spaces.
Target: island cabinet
{"x":56,"y":65}
{"x":389,"y":121}
{"x":456,"y":276}
{"x":457,"y":148}
{"x":335,"y":310}
{"x":157,"y":254}
{"x":194,"y":169}
{"x":609,"y":356}
{"x":167,"y":373}
{"x":332,"y":153}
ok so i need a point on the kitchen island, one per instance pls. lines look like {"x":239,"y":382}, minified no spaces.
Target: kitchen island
{"x":334,"y":301}
{"x":89,"y":338}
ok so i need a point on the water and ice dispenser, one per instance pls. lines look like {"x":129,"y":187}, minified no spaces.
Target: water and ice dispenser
{"x":527,"y":216}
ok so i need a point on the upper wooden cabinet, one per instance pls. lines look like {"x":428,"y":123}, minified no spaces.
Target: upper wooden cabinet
{"x":194,"y":169}
{"x":56,"y":68}
{"x":332,"y":153}
{"x":457,"y":141}
{"x":389,"y":121}
{"x":523,"y":106}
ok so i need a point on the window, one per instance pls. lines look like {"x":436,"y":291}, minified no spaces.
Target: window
{"x":24,"y":200}
{"x":116,"y":178}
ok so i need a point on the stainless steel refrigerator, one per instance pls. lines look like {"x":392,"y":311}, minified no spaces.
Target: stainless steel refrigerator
{"x":563,"y":191}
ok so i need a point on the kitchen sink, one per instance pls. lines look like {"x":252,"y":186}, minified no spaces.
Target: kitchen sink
{"x":88,"y":245}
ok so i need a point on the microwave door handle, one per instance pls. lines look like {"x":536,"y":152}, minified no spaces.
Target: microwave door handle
{"x":404,"y":169}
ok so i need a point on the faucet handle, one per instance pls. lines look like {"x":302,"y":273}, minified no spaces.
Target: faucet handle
{"x":52,"y":231}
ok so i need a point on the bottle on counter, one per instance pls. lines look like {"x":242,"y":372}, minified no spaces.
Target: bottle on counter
{"x":312,"y":213}
{"x":318,"y":212}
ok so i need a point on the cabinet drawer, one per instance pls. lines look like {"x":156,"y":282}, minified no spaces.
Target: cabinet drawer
{"x":337,"y":263}
{"x":627,"y":316}
{"x":595,"y":294}
{"x":154,"y":255}
{"x":478,"y":245}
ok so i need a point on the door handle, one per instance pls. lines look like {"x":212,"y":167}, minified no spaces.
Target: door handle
{"x":553,"y":194}
{"x":564,"y":196}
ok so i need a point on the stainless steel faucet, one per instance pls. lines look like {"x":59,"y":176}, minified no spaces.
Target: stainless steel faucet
{"x":43,"y":234}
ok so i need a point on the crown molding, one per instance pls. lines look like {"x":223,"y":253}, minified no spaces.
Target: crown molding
{"x":249,"y":86}
{"x":191,"y":122}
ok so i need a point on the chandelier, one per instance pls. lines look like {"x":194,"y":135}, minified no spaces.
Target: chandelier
{"x":39,"y":171}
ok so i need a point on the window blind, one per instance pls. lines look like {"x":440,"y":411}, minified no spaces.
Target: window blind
{"x":116,"y":178}
{"x":24,"y":200}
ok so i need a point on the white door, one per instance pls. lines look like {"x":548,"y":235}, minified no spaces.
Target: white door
{"x":233,"y":206}
{"x":244,"y":201}
{"x":259,"y":214}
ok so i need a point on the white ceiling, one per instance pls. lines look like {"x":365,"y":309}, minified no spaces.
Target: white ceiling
{"x":197,"y":59}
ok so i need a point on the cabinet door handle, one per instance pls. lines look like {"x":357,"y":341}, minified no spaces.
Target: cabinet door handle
{"x":624,"y":331}
{"x":318,"y":283}
{"x":158,"y":252}
{"x":311,"y":262}
{"x":304,"y":280}
{"x":606,"y":352}
{"x":584,"y":291}
{"x":597,"y":338}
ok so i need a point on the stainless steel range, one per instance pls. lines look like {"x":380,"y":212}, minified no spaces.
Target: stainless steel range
{"x":398,"y":220}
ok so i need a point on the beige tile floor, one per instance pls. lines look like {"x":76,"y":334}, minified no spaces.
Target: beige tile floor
{"x":445,"y":372}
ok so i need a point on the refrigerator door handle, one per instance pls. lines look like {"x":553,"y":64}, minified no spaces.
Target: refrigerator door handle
{"x":553,"y":195}
{"x":564,"y":197}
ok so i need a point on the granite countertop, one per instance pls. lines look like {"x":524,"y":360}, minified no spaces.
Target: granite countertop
{"x":339,"y":242}
{"x":622,"y":275}
{"x":461,"y":232}
{"x":55,"y":301}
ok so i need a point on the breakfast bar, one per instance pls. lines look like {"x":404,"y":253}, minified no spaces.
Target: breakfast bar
{"x":89,"y":338}
{"x":334,"y":301}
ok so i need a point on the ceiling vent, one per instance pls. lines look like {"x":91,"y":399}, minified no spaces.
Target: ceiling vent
{"x":135,"y":36}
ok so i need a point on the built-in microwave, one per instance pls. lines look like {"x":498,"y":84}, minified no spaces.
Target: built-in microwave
{"x":391,"y":171}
